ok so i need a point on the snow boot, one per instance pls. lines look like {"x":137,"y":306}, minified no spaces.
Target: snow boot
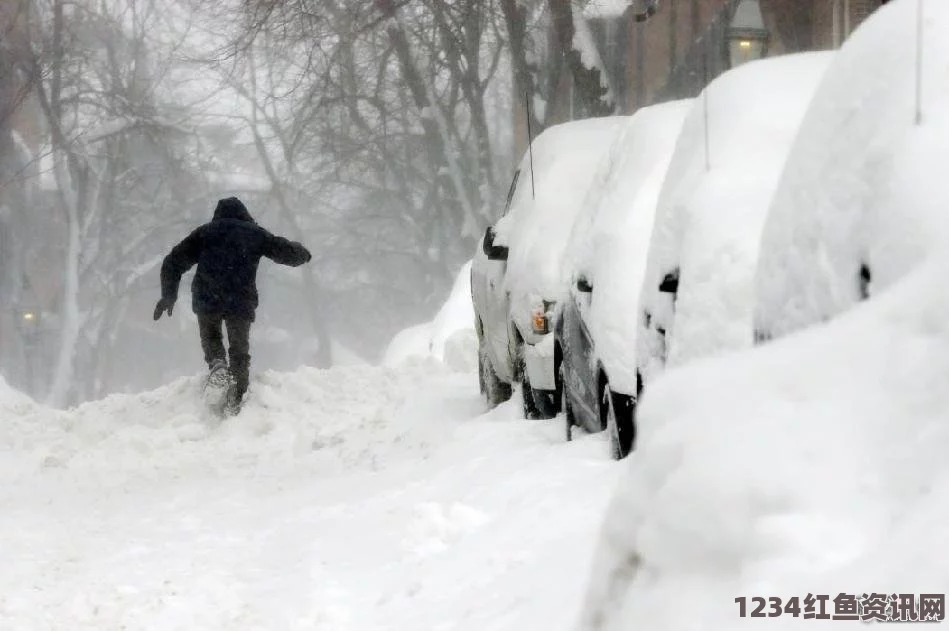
{"x":232,"y":406}
{"x":219,"y":383}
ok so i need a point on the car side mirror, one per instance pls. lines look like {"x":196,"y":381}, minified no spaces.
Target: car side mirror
{"x":493,"y":252}
{"x":670,"y":282}
{"x":584,"y":286}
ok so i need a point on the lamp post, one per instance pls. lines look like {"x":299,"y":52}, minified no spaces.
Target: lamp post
{"x":29,"y":326}
{"x":746,"y":36}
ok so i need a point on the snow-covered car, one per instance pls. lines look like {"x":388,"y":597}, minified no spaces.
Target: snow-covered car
{"x":864,"y":197}
{"x":784,"y":470}
{"x":594,"y":335}
{"x":697,"y":294}
{"x":517,"y":275}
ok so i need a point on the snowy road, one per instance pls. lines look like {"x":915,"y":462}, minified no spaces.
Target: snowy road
{"x":356,"y":498}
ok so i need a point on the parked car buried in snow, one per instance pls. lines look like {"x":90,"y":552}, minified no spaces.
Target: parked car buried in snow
{"x":697,"y":297}
{"x":517,"y":275}
{"x":595,"y":333}
{"x":864,"y":198}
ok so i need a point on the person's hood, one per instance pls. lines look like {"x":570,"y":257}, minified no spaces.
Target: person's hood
{"x":232,"y":208}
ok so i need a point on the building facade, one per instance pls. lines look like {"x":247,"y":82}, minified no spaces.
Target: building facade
{"x":683,"y":45}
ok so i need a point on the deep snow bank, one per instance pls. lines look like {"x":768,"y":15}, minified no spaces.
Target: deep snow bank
{"x":364,"y":499}
{"x":450,"y":337}
{"x":329,"y":420}
{"x":13,"y":402}
{"x":862,"y":184}
{"x":787,"y":470}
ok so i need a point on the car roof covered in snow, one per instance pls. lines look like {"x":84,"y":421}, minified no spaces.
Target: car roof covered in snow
{"x":863,"y":183}
{"x":537,"y":226}
{"x":610,"y":237}
{"x":709,"y":217}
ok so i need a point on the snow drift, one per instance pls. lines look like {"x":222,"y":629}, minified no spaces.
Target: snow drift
{"x":786,"y":470}
{"x":863,"y":184}
{"x":13,"y":402}
{"x":288,"y":417}
{"x":450,"y":337}
{"x":361,"y":498}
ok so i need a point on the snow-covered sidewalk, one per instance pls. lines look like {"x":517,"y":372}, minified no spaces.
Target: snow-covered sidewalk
{"x":354,"y":498}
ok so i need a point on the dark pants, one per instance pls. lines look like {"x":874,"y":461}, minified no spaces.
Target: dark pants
{"x":238,"y":339}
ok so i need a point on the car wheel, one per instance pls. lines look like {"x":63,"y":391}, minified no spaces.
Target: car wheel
{"x":538,"y":404}
{"x":481,"y":385}
{"x":568,"y":419}
{"x":527,"y":398}
{"x":529,"y":405}
{"x":545,"y":402}
{"x":612,"y":425}
{"x":495,"y":391}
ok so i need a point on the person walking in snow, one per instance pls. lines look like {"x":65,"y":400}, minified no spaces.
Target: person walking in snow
{"x":227,"y":251}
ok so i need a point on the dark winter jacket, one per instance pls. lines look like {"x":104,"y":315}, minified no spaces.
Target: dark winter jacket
{"x":227,"y":251}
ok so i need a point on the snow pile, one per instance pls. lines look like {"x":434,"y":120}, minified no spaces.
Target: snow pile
{"x":13,"y":402}
{"x":449,"y":338}
{"x":410,"y":344}
{"x":786,"y":470}
{"x":709,"y":216}
{"x":538,"y":225}
{"x":361,"y":499}
{"x":863,"y":185}
{"x":610,"y":239}
{"x":323,"y":418}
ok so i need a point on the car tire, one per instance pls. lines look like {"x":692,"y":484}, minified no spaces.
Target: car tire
{"x":617,"y":451}
{"x":528,"y":405}
{"x":546,"y":403}
{"x":527,"y":398}
{"x":538,"y":404}
{"x":494,"y":390}
{"x":569,"y":421}
{"x":482,"y":388}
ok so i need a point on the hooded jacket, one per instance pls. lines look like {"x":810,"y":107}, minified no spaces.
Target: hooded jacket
{"x":227,"y":251}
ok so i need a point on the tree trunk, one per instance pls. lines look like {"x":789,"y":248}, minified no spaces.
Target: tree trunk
{"x":590,"y":83}
{"x":525,"y":89}
{"x":69,"y":310}
{"x":794,"y":22}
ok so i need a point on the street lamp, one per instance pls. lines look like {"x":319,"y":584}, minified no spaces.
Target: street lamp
{"x":29,"y":328}
{"x":746,"y":35}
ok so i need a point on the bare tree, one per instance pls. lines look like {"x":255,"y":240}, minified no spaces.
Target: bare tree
{"x":117,"y":179}
{"x":389,"y":109}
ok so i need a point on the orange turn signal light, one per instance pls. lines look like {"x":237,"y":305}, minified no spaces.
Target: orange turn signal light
{"x":539,"y":322}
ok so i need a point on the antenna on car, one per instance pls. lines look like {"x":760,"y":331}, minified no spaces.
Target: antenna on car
{"x":530,"y":140}
{"x":919,"y":62}
{"x":708,"y":159}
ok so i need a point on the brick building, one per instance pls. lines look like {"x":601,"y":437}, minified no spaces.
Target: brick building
{"x":682,"y":44}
